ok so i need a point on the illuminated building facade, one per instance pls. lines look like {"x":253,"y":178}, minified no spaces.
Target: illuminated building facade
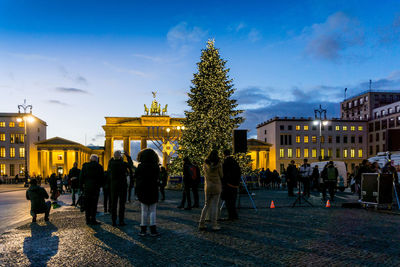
{"x":13,"y":143}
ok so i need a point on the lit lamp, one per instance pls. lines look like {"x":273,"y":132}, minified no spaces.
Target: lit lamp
{"x":320,"y":119}
{"x":25,"y":117}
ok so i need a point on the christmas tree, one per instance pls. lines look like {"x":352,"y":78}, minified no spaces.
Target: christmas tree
{"x":213,"y":114}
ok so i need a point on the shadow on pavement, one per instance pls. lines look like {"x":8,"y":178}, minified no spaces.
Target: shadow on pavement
{"x":41,"y":245}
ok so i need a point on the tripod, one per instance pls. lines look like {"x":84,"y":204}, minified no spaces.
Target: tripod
{"x":248,"y":193}
{"x":300,"y":197}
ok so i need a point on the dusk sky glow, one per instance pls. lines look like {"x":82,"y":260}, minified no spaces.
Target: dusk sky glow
{"x":79,"y":61}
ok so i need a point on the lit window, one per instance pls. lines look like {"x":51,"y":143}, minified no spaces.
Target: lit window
{"x":298,"y":153}
{"x":2,"y":124}
{"x":281,"y":153}
{"x":298,"y":139}
{"x":314,"y":139}
{"x":330,"y":152}
{"x":2,"y":169}
{"x":322,"y":139}
{"x":290,"y":153}
{"x":337,"y":128}
{"x":11,"y":124}
{"x":12,"y":138}
{"x":2,"y":137}
{"x":344,"y":153}
{"x":314,"y":153}
{"x":2,"y":152}
{"x":353,"y":128}
{"x":344,"y":128}
{"x":21,"y":124}
{"x":322,"y":153}
{"x":12,"y":152}
{"x":305,"y":127}
{"x":306,"y":152}
{"x":360,"y":128}
{"x":20,"y":138}
{"x":360,"y":153}
{"x":306,"y":139}
{"x":352,"y":153}
{"x":297,"y":127}
{"x":22,"y":152}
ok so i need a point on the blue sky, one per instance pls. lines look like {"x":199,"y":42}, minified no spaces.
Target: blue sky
{"x":79,"y":61}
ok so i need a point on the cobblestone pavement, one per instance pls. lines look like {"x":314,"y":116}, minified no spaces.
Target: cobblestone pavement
{"x":283,"y":236}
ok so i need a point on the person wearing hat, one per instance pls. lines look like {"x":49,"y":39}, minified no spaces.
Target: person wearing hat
{"x":37,"y":195}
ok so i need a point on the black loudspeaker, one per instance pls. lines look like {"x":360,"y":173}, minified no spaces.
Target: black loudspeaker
{"x":369,"y":187}
{"x":239,"y":141}
{"x":385,"y":189}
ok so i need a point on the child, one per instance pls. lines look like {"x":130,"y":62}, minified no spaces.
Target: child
{"x":147,"y":175}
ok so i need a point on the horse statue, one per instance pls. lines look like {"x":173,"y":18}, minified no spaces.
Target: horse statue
{"x":155,"y":108}
{"x":146,"y":110}
{"x":164,"y":110}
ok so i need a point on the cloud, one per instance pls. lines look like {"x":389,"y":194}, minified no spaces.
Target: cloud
{"x":331,"y":39}
{"x":31,"y":57}
{"x":125,"y":70}
{"x":57,"y":102}
{"x":182,"y":34}
{"x":254,"y":35}
{"x":391,"y":34}
{"x":71,"y":90}
{"x":75,"y":78}
{"x":151,"y":58}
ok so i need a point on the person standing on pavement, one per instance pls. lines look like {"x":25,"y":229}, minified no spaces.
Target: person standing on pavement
{"x":73,"y":176}
{"x":119,"y":170}
{"x":187,"y":184}
{"x":163,"y":181}
{"x":230,"y":184}
{"x":147,"y":176}
{"x":315,"y":178}
{"x":330,"y":175}
{"x":291,"y":177}
{"x":213,"y":174}
{"x":106,"y":192}
{"x":305,"y":174}
{"x":91,"y":178}
{"x":53,"y":187}
{"x":37,"y":196}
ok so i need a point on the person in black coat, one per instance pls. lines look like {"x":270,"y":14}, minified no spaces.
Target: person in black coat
{"x":187,"y":184}
{"x":74,"y":179}
{"x":291,"y":177}
{"x":147,"y":176}
{"x":163,"y":181}
{"x":53,"y":187}
{"x":106,"y":193}
{"x":230,"y":184}
{"x":119,"y":170}
{"x":37,"y":196}
{"x":91,"y":178}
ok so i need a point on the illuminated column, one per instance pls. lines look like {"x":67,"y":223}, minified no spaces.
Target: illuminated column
{"x":257,"y":159}
{"x":127,"y":144}
{"x":39,"y":163}
{"x":143,"y":143}
{"x":50,"y":162}
{"x":65,"y":162}
{"x":108,"y":150}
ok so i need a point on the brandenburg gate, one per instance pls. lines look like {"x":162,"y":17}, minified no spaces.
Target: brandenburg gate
{"x":154,"y":126}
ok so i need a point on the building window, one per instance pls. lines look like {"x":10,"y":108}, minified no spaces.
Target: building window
{"x":298,"y":153}
{"x":281,"y":153}
{"x":21,"y":168}
{"x":305,"y":127}
{"x":290,"y":153}
{"x":384,"y":136}
{"x":377,"y":137}
{"x":297,"y":127}
{"x":377,"y":149}
{"x":384,"y":124}
{"x":337,"y":152}
{"x":371,"y":138}
{"x":352,"y":153}
{"x":265,"y":131}
{"x":306,"y":139}
{"x":282,"y":127}
{"x":337,"y":139}
{"x":330,"y":152}
{"x":12,"y":169}
{"x":322,"y":139}
{"x":2,"y":169}
{"x":12,"y":138}
{"x":290,"y":127}
{"x":12,"y":152}
{"x":360,"y":153}
{"x":360,"y":140}
{"x":344,"y":128}
{"x":314,"y":153}
{"x":314,"y":139}
{"x":353,"y":139}
{"x":391,"y":122}
{"x":344,"y":153}
{"x":344,"y":139}
{"x":2,"y":152}
{"x":353,"y":128}
{"x":11,"y":124}
{"x":330,"y":128}
{"x":314,"y":128}
{"x":322,"y":153}
{"x":377,"y":126}
{"x":330,"y":139}
{"x":370,"y":150}
{"x":337,"y":128}
{"x":371,"y":127}
{"x":2,"y":124}
{"x":297,"y":138}
{"x":360,"y":128}
{"x":2,"y":137}
{"x":22,"y":152}
{"x":265,"y":139}
{"x":21,"y":124}
{"x":19,"y":138}
{"x":305,"y":152}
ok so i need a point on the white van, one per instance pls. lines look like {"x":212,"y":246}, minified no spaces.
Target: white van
{"x":341,"y":167}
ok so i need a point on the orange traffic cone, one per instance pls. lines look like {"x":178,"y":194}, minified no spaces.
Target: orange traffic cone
{"x":272,"y":205}
{"x":328,"y":204}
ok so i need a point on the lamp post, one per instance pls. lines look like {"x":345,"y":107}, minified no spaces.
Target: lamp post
{"x":26,"y":117}
{"x":320,"y":119}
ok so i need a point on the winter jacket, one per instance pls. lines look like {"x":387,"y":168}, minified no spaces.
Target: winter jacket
{"x":146,"y":176}
{"x":37,"y":195}
{"x":91,"y":177}
{"x":213,"y":175}
{"x":231,"y":171}
{"x":118,"y":171}
{"x":74,"y":177}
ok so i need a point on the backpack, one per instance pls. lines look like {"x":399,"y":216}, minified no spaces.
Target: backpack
{"x":331,"y":174}
{"x":193,"y":172}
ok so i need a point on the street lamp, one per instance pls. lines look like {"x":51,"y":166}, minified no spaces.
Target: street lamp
{"x":25,"y":117}
{"x":320,"y":119}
